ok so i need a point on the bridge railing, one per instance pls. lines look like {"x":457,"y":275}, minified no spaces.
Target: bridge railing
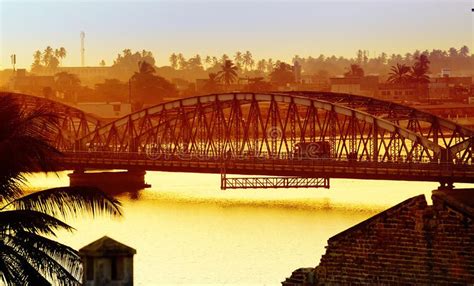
{"x":267,"y":158}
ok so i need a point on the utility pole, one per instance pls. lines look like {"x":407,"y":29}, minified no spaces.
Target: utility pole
{"x":13,"y":59}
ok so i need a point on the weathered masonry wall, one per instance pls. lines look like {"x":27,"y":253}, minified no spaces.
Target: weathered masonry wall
{"x":410,"y":243}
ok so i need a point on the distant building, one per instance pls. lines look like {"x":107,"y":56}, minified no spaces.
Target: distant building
{"x":402,"y":92}
{"x":105,"y":109}
{"x":31,"y":84}
{"x":181,"y":84}
{"x":453,"y":88}
{"x":107,"y":262}
{"x":461,"y":113}
{"x":367,"y":85}
{"x":88,"y":75}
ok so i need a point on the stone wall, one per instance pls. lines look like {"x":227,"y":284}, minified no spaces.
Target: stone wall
{"x":410,"y":243}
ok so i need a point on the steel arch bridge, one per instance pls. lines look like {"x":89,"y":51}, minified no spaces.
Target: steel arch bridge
{"x":285,"y":134}
{"x":448,"y":134}
{"x":73,"y":123}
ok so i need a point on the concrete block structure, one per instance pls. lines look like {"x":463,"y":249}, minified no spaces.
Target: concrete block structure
{"x":107,"y":262}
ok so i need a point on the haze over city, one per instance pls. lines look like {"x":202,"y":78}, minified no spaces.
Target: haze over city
{"x":268,"y":29}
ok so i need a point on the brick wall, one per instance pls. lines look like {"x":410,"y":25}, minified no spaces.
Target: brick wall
{"x":410,"y":243}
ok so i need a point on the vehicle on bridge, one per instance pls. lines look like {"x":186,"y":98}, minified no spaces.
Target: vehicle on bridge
{"x":312,"y":150}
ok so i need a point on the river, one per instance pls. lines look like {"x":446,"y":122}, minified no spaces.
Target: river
{"x":187,"y":231}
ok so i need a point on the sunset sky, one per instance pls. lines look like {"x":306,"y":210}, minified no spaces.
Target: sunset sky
{"x":276,"y":29}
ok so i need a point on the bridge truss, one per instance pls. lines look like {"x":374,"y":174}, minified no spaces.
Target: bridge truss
{"x":255,"y":125}
{"x":304,"y":138}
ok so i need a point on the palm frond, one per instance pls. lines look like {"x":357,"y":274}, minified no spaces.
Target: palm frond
{"x":19,"y":269}
{"x":58,"y":272}
{"x":69,"y":201}
{"x":30,"y":221}
{"x":67,"y":256}
{"x":25,"y":137}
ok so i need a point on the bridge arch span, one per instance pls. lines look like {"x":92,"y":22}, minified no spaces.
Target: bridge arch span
{"x":278,"y":125}
{"x":73,"y":123}
{"x":439,"y":130}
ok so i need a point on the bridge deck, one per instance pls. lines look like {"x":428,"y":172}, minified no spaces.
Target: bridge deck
{"x":324,"y":168}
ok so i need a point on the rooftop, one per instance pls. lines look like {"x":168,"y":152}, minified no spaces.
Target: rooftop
{"x":106,"y":246}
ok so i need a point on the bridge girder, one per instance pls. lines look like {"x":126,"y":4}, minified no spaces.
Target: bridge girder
{"x":254,"y":123}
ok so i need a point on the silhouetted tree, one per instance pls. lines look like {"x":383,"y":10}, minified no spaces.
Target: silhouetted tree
{"x":248,"y":60}
{"x":208,"y":61}
{"x":224,"y":58}
{"x":262,"y":65}
{"x":126,"y":63}
{"x":112,"y":90}
{"x":228,"y":73}
{"x":67,"y":84}
{"x":282,"y":74}
{"x":194,"y":63}
{"x":270,"y":65}
{"x":60,"y":54}
{"x":182,"y":61}
{"x":464,"y":51}
{"x":48,"y":60}
{"x":354,"y":71}
{"x":453,"y":52}
{"x":29,"y":255}
{"x":420,"y":69}
{"x":399,"y":74}
{"x":174,"y":61}
{"x":37,"y":66}
{"x":238,"y":60}
{"x":149,"y":88}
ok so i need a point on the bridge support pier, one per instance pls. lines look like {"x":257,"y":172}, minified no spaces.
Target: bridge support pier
{"x":113,"y":182}
{"x":446,"y":185}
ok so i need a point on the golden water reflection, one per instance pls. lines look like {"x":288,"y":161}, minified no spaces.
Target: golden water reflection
{"x":187,"y":231}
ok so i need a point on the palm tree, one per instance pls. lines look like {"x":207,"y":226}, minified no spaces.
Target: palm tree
{"x":208,"y":61}
{"x":262,"y":65}
{"x":182,"y":61}
{"x":147,"y":87}
{"x":248,"y":60}
{"x":60,"y":54}
{"x":36,"y":66}
{"x":67,"y":84}
{"x":224,"y":58}
{"x":418,"y":75}
{"x":270,"y":65}
{"x":47,"y":55}
{"x":420,"y":69}
{"x":174,"y":61}
{"x":464,"y":51}
{"x":238,"y":59}
{"x":27,"y":256}
{"x":453,"y":52}
{"x":228,"y":74}
{"x":422,"y":62}
{"x":399,"y":74}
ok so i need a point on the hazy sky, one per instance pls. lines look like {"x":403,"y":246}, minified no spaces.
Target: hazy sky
{"x":276,"y":29}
